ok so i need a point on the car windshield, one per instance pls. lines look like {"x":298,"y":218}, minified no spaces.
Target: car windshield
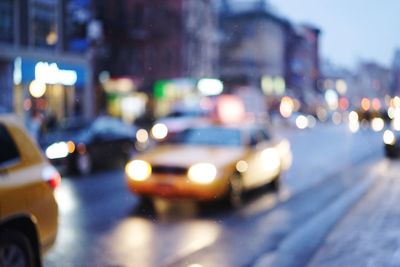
{"x":210,"y":136}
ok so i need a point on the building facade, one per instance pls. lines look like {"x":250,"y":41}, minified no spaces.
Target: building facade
{"x":264,"y":51}
{"x":303,"y":70}
{"x":44,"y":65}
{"x":253,"y":46}
{"x":373,"y":80}
{"x":156,"y":46}
{"x":395,"y":88}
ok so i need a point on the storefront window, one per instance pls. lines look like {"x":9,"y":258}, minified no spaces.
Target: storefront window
{"x":50,"y":88}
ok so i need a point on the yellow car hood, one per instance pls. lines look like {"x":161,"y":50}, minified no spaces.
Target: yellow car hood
{"x":185,"y":156}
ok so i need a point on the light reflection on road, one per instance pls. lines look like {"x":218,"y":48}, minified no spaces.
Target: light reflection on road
{"x":66,"y":197}
{"x":144,"y":242}
{"x":265,"y":202}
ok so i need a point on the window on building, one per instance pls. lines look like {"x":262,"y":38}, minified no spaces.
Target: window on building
{"x":138,"y":15}
{"x":8,"y":152}
{"x":44,"y":23}
{"x":6,"y":21}
{"x":76,"y":21}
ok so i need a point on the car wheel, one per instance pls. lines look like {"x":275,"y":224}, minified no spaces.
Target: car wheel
{"x":235,"y":194}
{"x":15,"y":250}
{"x":84,"y":164}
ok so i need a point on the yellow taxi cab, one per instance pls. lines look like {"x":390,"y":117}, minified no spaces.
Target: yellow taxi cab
{"x":28,"y":209}
{"x":210,"y":162}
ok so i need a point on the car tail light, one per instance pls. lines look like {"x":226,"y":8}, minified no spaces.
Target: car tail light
{"x":51,"y":176}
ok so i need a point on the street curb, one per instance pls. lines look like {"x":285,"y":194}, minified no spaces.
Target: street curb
{"x":297,"y":249}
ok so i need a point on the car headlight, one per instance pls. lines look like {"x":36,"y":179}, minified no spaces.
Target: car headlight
{"x":242,"y":166}
{"x":271,"y":159}
{"x":159,"y":131}
{"x":202,"y":173}
{"x":389,"y":138}
{"x":138,"y":170}
{"x":57,"y":150}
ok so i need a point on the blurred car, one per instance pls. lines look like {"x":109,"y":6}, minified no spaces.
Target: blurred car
{"x":68,"y":127}
{"x":103,"y":141}
{"x":28,"y":210}
{"x":208,"y":163}
{"x":391,"y":144}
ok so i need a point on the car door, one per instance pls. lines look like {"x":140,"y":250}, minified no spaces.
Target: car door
{"x":124,"y":141}
{"x":9,"y":160}
{"x":111,"y":139}
{"x":23,"y":189}
{"x":101,"y":146}
{"x":122,"y":138}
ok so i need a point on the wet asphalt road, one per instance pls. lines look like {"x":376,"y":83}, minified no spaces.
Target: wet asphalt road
{"x":102,"y":224}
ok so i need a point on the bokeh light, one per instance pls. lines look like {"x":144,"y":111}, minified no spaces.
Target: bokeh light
{"x":286,"y":107}
{"x":159,"y":131}
{"x":377,"y":124}
{"x":142,"y":136}
{"x":301,"y":122}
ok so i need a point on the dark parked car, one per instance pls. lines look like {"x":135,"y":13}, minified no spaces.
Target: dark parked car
{"x":83,"y":147}
{"x":392,"y":145}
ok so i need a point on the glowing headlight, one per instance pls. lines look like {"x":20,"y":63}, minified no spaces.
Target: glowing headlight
{"x":138,"y":170}
{"x":202,"y":173}
{"x":142,"y":136}
{"x":242,"y":166}
{"x":271,"y":159}
{"x":377,"y":124}
{"x":159,"y":131}
{"x":389,"y":138}
{"x":57,"y":150}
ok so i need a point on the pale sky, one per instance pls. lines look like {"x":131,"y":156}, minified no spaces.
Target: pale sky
{"x":351,"y":29}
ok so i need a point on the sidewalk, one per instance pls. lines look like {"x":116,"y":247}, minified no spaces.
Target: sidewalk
{"x":369,"y":235}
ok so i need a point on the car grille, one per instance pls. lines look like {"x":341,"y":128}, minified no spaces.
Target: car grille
{"x":169,"y":170}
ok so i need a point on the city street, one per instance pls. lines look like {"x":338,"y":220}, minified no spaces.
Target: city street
{"x":102,"y":224}
{"x":187,"y":133}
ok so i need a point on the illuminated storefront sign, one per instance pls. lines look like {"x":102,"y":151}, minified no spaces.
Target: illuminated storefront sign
{"x":50,"y":72}
{"x":174,"y":88}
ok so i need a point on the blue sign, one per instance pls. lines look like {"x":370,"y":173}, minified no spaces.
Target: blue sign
{"x":62,"y":72}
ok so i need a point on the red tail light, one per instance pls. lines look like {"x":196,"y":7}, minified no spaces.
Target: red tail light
{"x":52,"y":176}
{"x":55,"y":180}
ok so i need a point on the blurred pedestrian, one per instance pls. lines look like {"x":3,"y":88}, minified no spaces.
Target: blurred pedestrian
{"x":35,"y":125}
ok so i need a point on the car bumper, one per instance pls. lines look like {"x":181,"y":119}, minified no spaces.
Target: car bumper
{"x":178,"y":187}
